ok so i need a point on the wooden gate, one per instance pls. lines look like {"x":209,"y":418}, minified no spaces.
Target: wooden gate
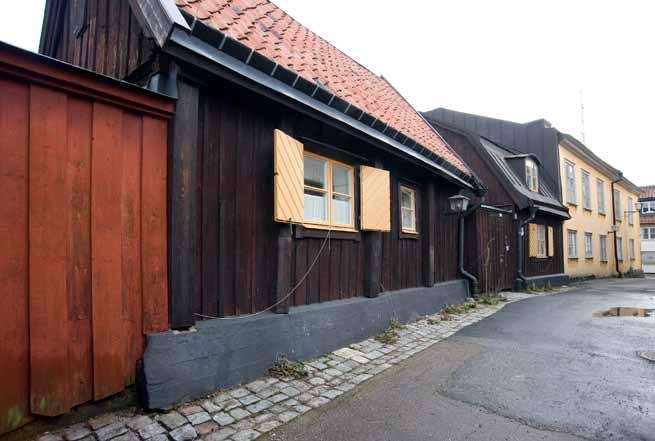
{"x":83,"y":271}
{"x":493,"y":255}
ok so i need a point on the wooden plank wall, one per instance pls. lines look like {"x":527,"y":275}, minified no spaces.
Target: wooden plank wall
{"x":551,"y":265}
{"x":100,"y":35}
{"x":83,"y":227}
{"x":237,"y":238}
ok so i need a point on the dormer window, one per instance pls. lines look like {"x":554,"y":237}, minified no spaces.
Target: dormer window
{"x":532,"y":175}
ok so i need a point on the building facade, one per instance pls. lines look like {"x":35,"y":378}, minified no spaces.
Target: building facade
{"x":602,"y":237}
{"x":570,"y":167}
{"x":647,"y":200}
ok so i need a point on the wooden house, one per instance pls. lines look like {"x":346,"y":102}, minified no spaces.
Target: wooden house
{"x":299,"y":182}
{"x":515,"y":230}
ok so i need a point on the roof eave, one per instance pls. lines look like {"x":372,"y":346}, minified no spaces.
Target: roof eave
{"x":182,"y":44}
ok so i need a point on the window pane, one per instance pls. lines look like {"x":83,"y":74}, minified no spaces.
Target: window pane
{"x":341,"y":180}
{"x":315,"y":172}
{"x":405,"y":198}
{"x":341,"y":209}
{"x":408,"y":219}
{"x":315,"y":206}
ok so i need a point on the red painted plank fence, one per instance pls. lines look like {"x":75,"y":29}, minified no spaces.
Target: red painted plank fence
{"x":83,"y":270}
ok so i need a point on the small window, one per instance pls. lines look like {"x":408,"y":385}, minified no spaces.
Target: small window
{"x":542,"y":243}
{"x":631,"y":211}
{"x":648,"y":207}
{"x":588,"y":245}
{"x":569,"y":173}
{"x":328,"y":192}
{"x":586,"y":190}
{"x":532,"y":175}
{"x":619,"y":248}
{"x":631,"y":244}
{"x":618,"y":214}
{"x":408,"y":209}
{"x":603,"y":248}
{"x":600,"y":194}
{"x":644,"y":233}
{"x":572,"y":244}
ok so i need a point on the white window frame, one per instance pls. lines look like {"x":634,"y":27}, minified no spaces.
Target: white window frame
{"x":631,"y":211}
{"x":603,"y":248}
{"x":588,"y":245}
{"x":569,"y":177}
{"x":542,"y":241}
{"x":632,"y":250}
{"x":572,"y":244}
{"x":618,"y":214}
{"x":648,"y":207}
{"x":600,"y":195}
{"x":585,"y":183}
{"x":410,"y":229}
{"x":329,"y":193}
{"x":532,"y":175}
{"x":619,"y":248}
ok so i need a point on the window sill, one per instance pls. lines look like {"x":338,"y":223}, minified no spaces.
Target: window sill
{"x":573,"y":258}
{"x":587,"y":209}
{"x":588,"y":258}
{"x":320,"y":232}
{"x":573,"y":204}
{"x":408,"y":235}
{"x":604,"y":261}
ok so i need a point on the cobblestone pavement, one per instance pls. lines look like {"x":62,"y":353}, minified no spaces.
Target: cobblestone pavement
{"x":246,"y":412}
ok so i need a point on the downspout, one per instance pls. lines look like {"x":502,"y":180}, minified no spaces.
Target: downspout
{"x":473,"y":281}
{"x":521,"y":281}
{"x":616,"y":250}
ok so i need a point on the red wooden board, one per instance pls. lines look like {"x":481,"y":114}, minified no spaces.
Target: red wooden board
{"x":14,"y":332}
{"x":48,"y":205}
{"x":106,"y":273}
{"x":153,"y":221}
{"x":79,"y":251}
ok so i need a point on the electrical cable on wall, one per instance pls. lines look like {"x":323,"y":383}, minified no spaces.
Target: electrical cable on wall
{"x":289,"y":294}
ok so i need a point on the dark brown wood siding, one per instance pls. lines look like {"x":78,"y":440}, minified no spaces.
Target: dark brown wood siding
{"x":235,"y":251}
{"x":100,"y":35}
{"x":550,"y":265}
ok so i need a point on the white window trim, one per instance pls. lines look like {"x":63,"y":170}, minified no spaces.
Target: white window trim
{"x":412,"y":191}
{"x":571,"y":196}
{"x":631,"y":211}
{"x":532,"y":175}
{"x":632,"y":249}
{"x":600,"y":195}
{"x":619,"y":248}
{"x":585,"y":184}
{"x":588,"y":245}
{"x":572,"y":246}
{"x":542,"y":241}
{"x":603,"y":249}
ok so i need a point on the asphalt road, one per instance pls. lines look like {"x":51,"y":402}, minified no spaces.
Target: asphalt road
{"x":540,"y":369}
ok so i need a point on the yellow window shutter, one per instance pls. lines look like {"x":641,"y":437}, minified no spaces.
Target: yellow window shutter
{"x":375,"y":199}
{"x":551,"y":242}
{"x":288,"y":176}
{"x":532,"y":240}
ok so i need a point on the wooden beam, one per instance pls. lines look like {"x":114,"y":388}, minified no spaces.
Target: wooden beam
{"x":158,"y":18}
{"x":284,"y":262}
{"x":373,"y":258}
{"x":183,"y":207}
{"x":429,"y":203}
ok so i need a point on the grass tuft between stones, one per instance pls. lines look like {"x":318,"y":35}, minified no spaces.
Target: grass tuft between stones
{"x":284,"y":367}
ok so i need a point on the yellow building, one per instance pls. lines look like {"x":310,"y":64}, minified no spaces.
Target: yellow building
{"x":604,"y":224}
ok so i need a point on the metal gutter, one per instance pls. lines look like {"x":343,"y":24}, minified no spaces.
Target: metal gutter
{"x":288,"y":88}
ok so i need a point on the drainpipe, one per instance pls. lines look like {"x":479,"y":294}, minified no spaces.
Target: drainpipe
{"x":616,"y":250}
{"x":521,"y":281}
{"x":473,"y":281}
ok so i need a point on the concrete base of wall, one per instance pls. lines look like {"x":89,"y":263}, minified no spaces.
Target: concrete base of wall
{"x":223,"y":353}
{"x":541,"y":281}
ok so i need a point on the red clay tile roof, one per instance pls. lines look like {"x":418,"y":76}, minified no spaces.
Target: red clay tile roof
{"x":270,"y":31}
{"x":647,"y":192}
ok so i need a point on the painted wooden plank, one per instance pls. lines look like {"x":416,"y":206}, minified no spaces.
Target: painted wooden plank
{"x":106,"y":251}
{"x":14,"y":332}
{"x":130,"y":238}
{"x":153,"y":226}
{"x":78,"y":274}
{"x":288,"y":178}
{"x":49,"y":339}
{"x":244,"y":213}
{"x":375,"y":203}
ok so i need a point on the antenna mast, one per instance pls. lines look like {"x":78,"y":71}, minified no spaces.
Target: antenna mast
{"x":582,"y":117}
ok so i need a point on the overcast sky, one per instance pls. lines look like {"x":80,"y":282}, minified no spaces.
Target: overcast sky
{"x":518,"y":60}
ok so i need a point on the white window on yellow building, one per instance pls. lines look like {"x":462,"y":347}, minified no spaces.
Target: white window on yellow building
{"x":631,"y":211}
{"x":532,"y":175}
{"x":631,"y":244}
{"x":603,"y":248}
{"x":541,"y":241}
{"x":619,"y":248}
{"x":572,"y":244}
{"x":600,"y":195}
{"x":618,"y":214}
{"x":569,"y":173}
{"x":588,"y":245}
{"x":586,"y":189}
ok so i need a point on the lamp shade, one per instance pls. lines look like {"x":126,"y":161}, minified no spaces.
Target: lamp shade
{"x":458,"y":203}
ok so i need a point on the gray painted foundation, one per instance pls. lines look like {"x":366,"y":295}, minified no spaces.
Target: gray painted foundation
{"x":223,"y":353}
{"x":553,"y":279}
